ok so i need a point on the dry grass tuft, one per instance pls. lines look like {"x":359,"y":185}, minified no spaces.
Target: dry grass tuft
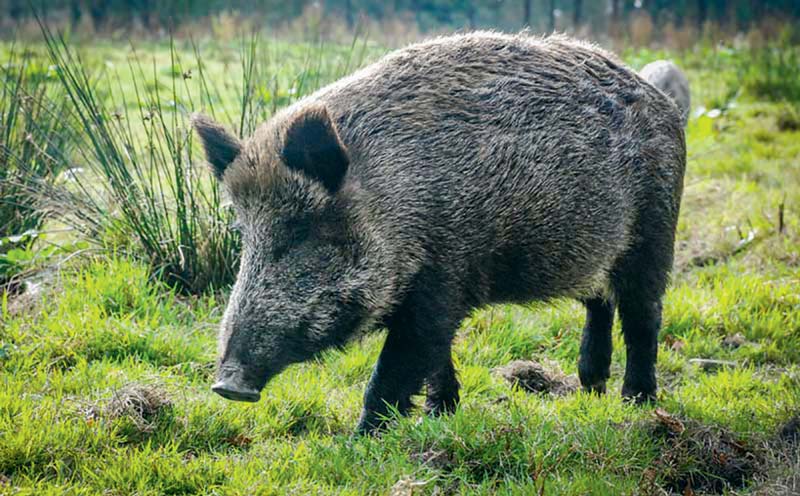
{"x":140,"y":404}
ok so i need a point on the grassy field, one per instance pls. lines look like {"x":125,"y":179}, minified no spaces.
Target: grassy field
{"x":105,"y":372}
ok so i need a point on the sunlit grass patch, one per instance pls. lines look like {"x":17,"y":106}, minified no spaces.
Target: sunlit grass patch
{"x":741,"y":400}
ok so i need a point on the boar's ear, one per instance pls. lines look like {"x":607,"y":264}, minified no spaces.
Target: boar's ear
{"x":221,"y":147}
{"x":314,"y":148}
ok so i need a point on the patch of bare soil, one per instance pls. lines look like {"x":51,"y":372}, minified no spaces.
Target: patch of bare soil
{"x":140,"y":404}
{"x":546,"y":377}
{"x":699,"y":459}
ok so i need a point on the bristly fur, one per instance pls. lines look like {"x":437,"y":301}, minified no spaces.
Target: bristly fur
{"x":451,"y":174}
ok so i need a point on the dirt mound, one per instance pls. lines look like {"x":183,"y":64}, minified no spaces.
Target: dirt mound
{"x":140,"y":404}
{"x":534,"y":377}
{"x":700,"y":458}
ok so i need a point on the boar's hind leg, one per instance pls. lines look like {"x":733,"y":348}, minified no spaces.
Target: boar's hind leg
{"x":641,"y":320}
{"x":595,"y":358}
{"x":639,"y":283}
{"x":417,"y":348}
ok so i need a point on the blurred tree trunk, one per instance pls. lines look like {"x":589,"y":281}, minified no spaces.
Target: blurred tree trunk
{"x":627,"y":7}
{"x":75,"y":12}
{"x":497,"y":8}
{"x":552,"y":15}
{"x":702,"y":13}
{"x":757,"y":10}
{"x":472,"y":15}
{"x":526,"y":16}
{"x":614,"y":15}
{"x":98,"y":10}
{"x":348,"y":13}
{"x":16,"y":9}
{"x":614,"y":10}
{"x":576,"y":14}
{"x":145,"y":14}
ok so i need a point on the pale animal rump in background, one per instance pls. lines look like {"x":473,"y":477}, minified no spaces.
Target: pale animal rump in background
{"x":666,"y":76}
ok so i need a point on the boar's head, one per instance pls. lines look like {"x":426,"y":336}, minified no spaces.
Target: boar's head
{"x":300,"y":287}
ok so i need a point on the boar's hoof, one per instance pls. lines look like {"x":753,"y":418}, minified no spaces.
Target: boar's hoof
{"x":598,"y":387}
{"x":236,"y":393}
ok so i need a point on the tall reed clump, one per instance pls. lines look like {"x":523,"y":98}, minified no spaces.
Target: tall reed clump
{"x":145,"y":187}
{"x":142,"y":187}
{"x":35,"y":134}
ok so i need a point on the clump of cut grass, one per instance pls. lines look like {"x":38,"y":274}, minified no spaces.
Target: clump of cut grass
{"x":140,"y":405}
{"x":538,"y":378}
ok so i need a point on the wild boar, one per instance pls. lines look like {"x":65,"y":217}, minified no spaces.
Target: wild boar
{"x":451,"y":174}
{"x":668,"y":77}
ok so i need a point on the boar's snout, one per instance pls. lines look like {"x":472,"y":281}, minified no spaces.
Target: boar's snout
{"x":231,"y":385}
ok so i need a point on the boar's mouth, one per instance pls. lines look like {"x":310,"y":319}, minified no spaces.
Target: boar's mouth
{"x":232,"y":386}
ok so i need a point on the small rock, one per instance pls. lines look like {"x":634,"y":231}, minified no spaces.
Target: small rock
{"x":710,"y":365}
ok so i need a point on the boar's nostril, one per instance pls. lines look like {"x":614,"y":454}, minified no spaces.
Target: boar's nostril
{"x":236,"y":393}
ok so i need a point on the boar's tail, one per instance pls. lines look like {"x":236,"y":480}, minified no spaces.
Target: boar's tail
{"x":667,"y":77}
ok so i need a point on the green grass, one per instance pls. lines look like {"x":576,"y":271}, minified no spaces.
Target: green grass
{"x":103,"y":324}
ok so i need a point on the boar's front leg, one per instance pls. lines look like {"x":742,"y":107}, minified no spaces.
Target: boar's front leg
{"x":595,"y":358}
{"x":417,"y":348}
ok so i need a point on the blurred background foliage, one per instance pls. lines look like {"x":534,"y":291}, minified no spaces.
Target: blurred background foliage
{"x":678,"y":22}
